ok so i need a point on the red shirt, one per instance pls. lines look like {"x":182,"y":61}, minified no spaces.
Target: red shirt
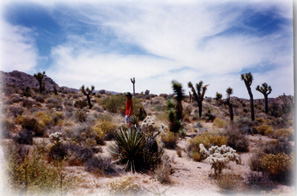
{"x":129,"y":107}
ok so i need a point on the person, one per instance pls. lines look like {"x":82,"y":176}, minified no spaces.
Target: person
{"x":129,"y":108}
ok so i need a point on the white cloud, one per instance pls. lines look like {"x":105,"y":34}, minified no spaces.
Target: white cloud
{"x":18,"y":50}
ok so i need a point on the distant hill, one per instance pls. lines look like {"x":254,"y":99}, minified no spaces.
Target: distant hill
{"x":22,"y":80}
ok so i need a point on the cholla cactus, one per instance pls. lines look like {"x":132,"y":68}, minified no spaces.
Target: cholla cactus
{"x":56,"y":138}
{"x":149,"y":126}
{"x":218,"y":157}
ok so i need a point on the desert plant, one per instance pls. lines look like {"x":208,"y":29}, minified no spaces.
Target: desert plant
{"x":265,"y":90}
{"x":198,"y":95}
{"x":133,"y":82}
{"x":279,"y":167}
{"x":7,"y":127}
{"x":80,"y":104}
{"x":81,"y":115}
{"x":229,"y":92}
{"x":218,"y":157}
{"x":175,"y":124}
{"x":163,"y":171}
{"x":208,"y":140}
{"x":237,"y":140}
{"x":16,"y":110}
{"x":288,"y":133}
{"x":137,"y":152}
{"x":228,"y":182}
{"x":258,"y":181}
{"x":169,"y":139}
{"x":58,"y":151}
{"x":104,"y":130}
{"x":218,"y":98}
{"x":88,"y":92}
{"x":124,"y":186}
{"x":33,"y":125}
{"x":100,"y":166}
{"x":281,"y":145}
{"x":248,"y":79}
{"x":264,"y":129}
{"x":39,"y":77}
{"x":24,"y":137}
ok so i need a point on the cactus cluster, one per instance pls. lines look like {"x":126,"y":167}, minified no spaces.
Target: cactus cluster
{"x":56,"y":138}
{"x":218,"y":157}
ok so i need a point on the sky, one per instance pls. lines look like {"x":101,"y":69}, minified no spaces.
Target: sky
{"x":105,"y":43}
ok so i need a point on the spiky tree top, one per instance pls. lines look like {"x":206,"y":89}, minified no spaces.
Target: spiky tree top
{"x":264,"y":89}
{"x":132,"y":80}
{"x":218,"y":96}
{"x":247,"y":78}
{"x":87,"y":91}
{"x":229,"y":91}
{"x":178,"y":91}
{"x":39,"y":76}
{"x":198,"y":95}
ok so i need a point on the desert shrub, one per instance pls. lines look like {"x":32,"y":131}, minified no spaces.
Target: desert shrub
{"x":228,"y":183}
{"x":33,"y":176}
{"x":100,"y":166}
{"x":40,"y":98}
{"x":135,"y":150}
{"x":57,"y":151}
{"x":169,"y":139}
{"x":237,"y":140}
{"x":7,"y":127}
{"x":81,"y":115}
{"x":264,"y":130}
{"x":279,"y":167}
{"x":124,"y":186}
{"x":255,"y":162}
{"x":33,"y":125}
{"x":257,"y":181}
{"x":80,"y":104}
{"x":163,"y":171}
{"x":104,"y":130}
{"x":281,"y":145}
{"x":28,"y":103}
{"x":288,"y":133}
{"x":68,"y":103}
{"x":208,"y":140}
{"x":44,"y":118}
{"x":24,"y":137}
{"x":83,"y":135}
{"x":219,"y":123}
{"x":16,"y":110}
{"x":15,"y":98}
{"x":245,"y":125}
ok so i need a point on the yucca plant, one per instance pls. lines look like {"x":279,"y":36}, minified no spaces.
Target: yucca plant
{"x":248,"y":80}
{"x":199,"y":94}
{"x":137,"y":152}
{"x":265,"y":90}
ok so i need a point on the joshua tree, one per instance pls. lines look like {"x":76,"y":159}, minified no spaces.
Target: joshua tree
{"x":265,"y":90}
{"x":229,"y":92}
{"x":218,"y":97}
{"x":40,"y":77}
{"x":133,"y":82}
{"x":200,"y":96}
{"x":190,"y":96}
{"x":248,"y":79}
{"x":175,"y":110}
{"x":55,"y":90}
{"x":88,"y":92}
{"x":179,"y":96}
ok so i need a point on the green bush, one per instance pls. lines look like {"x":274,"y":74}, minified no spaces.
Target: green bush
{"x":264,"y":130}
{"x":288,"y":133}
{"x":237,"y":140}
{"x":279,"y":167}
{"x":33,"y":125}
{"x":31,"y":174}
{"x":208,"y":140}
{"x":104,"y":130}
{"x":81,"y":115}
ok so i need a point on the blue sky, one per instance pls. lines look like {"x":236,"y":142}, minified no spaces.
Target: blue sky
{"x":105,"y":43}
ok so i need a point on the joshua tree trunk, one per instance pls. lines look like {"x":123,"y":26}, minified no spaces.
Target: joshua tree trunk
{"x":200,"y":108}
{"x":266,"y":103}
{"x":231,"y":111}
{"x":133,"y":82}
{"x":89,"y":101}
{"x":251,"y":104}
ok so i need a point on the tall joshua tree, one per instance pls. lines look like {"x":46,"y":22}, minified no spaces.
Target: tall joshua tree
{"x":199,"y":94}
{"x":248,"y":79}
{"x":133,"y":82}
{"x":175,"y":110}
{"x":229,"y":92}
{"x":218,"y":97}
{"x":39,"y":76}
{"x":265,"y":90}
{"x":88,"y":92}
